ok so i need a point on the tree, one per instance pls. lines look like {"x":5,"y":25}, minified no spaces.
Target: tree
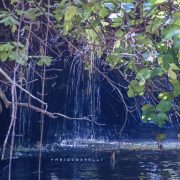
{"x":140,"y":39}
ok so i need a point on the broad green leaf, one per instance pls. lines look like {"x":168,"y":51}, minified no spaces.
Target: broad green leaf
{"x":164,"y":106}
{"x":67,"y":26}
{"x":130,"y":93}
{"x":3,"y":56}
{"x":114,"y":59}
{"x":174,"y":67}
{"x":149,"y":113}
{"x":171,"y":32}
{"x":19,"y":44}
{"x":6,"y":47}
{"x":70,"y":13}
{"x":165,"y":61}
{"x":11,"y":55}
{"x":14,"y":28}
{"x":148,"y":108}
{"x":154,"y":26}
{"x":176,"y":87}
{"x":91,"y":35}
{"x":172,"y":74}
{"x":161,"y":119}
{"x":165,"y":96}
{"x":157,"y":71}
{"x":143,"y":74}
{"x":119,"y":34}
{"x":135,"y":88}
{"x":13,"y":21}
{"x":103,"y":12}
{"x":148,"y":117}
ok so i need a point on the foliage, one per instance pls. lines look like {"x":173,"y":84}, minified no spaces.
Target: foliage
{"x":141,"y":38}
{"x":160,"y":137}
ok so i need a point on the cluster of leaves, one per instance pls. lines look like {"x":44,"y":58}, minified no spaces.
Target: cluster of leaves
{"x":13,"y":51}
{"x":160,"y":137}
{"x":141,"y":37}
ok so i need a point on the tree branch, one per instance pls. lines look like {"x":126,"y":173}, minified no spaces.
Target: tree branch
{"x":47,"y":113}
{"x":24,"y":90}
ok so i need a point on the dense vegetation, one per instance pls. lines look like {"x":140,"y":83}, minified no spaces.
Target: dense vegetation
{"x":140,"y":39}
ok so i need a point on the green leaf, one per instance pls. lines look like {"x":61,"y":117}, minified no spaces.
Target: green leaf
{"x":14,"y":28}
{"x":148,"y":117}
{"x":172,"y":74}
{"x":13,"y":21}
{"x":148,"y":108}
{"x":174,"y":67}
{"x":119,"y":34}
{"x":114,"y":59}
{"x":135,"y":89}
{"x":176,"y":87}
{"x":6,"y":47}
{"x":143,"y":74}
{"x":165,"y":96}
{"x":149,"y":113}
{"x":130,"y":93}
{"x":3,"y":56}
{"x":156,"y":2}
{"x":161,"y":119}
{"x":135,"y":85}
{"x":171,"y":32}
{"x":103,"y":12}
{"x":157,"y":71}
{"x":165,"y":61}
{"x":20,"y":56}
{"x":70,"y":13}
{"x":67,"y":26}
{"x":11,"y":55}
{"x":160,"y":137}
{"x":164,"y":106}
{"x":44,"y":60}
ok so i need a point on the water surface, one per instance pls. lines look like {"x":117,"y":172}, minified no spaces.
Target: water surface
{"x":95,"y":164}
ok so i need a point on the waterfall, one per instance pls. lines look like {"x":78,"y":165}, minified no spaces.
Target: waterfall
{"x":82,"y":100}
{"x":25,"y":129}
{"x":83,"y":95}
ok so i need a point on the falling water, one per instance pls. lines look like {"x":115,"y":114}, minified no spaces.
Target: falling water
{"x":24,"y":129}
{"x":83,"y":95}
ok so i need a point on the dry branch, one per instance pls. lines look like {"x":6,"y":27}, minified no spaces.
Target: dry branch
{"x":47,"y":113}
{"x":24,"y":90}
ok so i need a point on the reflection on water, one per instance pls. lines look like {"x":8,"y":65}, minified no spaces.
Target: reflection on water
{"x":74,"y":163}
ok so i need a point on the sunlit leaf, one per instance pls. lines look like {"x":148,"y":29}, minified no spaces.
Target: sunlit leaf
{"x":165,"y":96}
{"x":172,"y":74}
{"x":70,"y":13}
{"x":103,"y":12}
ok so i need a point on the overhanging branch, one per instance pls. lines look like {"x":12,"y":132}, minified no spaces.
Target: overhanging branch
{"x":47,"y":113}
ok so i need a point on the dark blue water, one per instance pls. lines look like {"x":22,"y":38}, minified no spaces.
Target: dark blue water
{"x":74,"y":163}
